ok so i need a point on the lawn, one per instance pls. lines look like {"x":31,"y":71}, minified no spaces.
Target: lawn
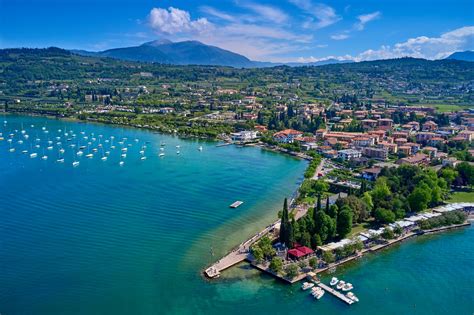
{"x":443,"y":108}
{"x":462,"y":196}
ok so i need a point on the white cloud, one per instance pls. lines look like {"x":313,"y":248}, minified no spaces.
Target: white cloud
{"x":321,"y":15}
{"x":366,"y":18}
{"x":218,"y":14}
{"x":340,"y":36}
{"x":314,"y":59}
{"x":267,"y":12}
{"x":425,"y":47}
{"x":175,"y":21}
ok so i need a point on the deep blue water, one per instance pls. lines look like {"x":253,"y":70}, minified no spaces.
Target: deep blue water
{"x":105,"y":239}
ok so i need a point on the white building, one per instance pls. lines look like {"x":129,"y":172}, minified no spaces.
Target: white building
{"x":349,"y":154}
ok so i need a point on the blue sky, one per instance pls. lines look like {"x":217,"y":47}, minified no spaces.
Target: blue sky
{"x":283,"y":30}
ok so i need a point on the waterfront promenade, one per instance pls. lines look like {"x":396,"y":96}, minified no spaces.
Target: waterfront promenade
{"x":242,"y":252}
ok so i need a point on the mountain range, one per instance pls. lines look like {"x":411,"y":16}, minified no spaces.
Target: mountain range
{"x":190,"y":53}
{"x":467,"y":55}
{"x":196,"y":53}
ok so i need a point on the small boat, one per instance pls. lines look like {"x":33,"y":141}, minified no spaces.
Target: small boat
{"x":121,"y":163}
{"x":60,"y":160}
{"x":61,"y":151}
{"x":94,"y":150}
{"x":347,"y":287}
{"x":79,"y":153}
{"x":24,"y":151}
{"x":33,"y":155}
{"x":89,"y":156}
{"x":334,"y":281}
{"x":352,"y":296}
{"x":143,"y":158}
{"x":124,"y":155}
{"x":44,"y":157}
{"x":142,"y":152}
{"x":49,"y":148}
{"x":340,"y":285}
{"x":307,"y":285}
{"x":161,"y":154}
{"x":317,"y":292}
{"x":20,"y":141}
{"x":12,"y":150}
{"x":200,"y":148}
{"x":236,"y":204}
{"x":177,"y":147}
{"x":75,"y":163}
{"x":177,"y":152}
{"x":104,"y":158}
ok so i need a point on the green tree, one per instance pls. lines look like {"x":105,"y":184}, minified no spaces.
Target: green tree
{"x":328,"y":257}
{"x":306,"y":239}
{"x":284,"y":226}
{"x":276,"y":265}
{"x":316,"y":241}
{"x":313,"y":262}
{"x":384,"y":216}
{"x":398,"y":230}
{"x":302,"y":264}
{"x":291,"y":271}
{"x":388,"y":234}
{"x":324,"y":225}
{"x":419,"y":198}
{"x":449,"y":174}
{"x":367,"y":200}
{"x":466,"y":173}
{"x":257,"y":254}
{"x":344,"y":222}
{"x":333,"y":210}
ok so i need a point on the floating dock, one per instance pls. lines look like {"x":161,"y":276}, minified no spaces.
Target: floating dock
{"x":236,"y":204}
{"x":336,"y":293}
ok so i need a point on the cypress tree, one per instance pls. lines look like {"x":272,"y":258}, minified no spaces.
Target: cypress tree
{"x":327,"y":204}
{"x":318,"y":204}
{"x":284,"y":231}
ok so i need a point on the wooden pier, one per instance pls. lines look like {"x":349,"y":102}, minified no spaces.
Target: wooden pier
{"x":236,"y":204}
{"x":336,"y":293}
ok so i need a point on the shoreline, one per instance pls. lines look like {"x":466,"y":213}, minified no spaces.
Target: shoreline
{"x":370,"y":250}
{"x":261,"y":145}
{"x":360,"y":254}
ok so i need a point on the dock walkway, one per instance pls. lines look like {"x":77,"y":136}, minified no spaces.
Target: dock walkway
{"x":336,"y":293}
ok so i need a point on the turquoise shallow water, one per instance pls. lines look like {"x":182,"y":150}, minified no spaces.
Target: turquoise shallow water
{"x":104,"y":239}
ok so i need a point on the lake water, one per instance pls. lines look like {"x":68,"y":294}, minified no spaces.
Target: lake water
{"x":101,"y":238}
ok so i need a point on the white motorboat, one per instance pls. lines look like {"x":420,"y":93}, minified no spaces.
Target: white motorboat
{"x":334,"y":281}
{"x":161,"y":154}
{"x":317,"y":292}
{"x":33,"y":155}
{"x":79,"y":153}
{"x":75,"y":163}
{"x":60,"y":160}
{"x":124,"y":155}
{"x":44,"y":157}
{"x":104,"y":158}
{"x":200,"y":148}
{"x":307,"y":285}
{"x":177,"y":152}
{"x":89,"y":156}
{"x":143,"y":158}
{"x":352,"y":296}
{"x":12,"y":150}
{"x":121,"y":163}
{"x":347,"y":287}
{"x":49,"y":148}
{"x":341,"y":284}
{"x":61,"y":151}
